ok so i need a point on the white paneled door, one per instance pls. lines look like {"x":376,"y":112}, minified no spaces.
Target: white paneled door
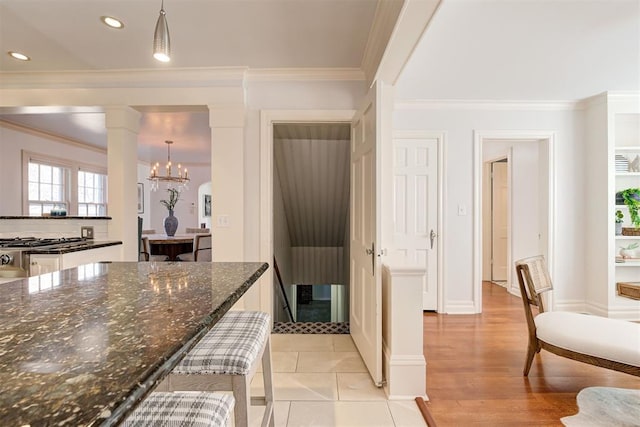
{"x":415,"y":182}
{"x":499,"y":221}
{"x":366,"y":285}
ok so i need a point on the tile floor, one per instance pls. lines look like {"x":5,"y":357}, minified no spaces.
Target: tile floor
{"x":320,"y":380}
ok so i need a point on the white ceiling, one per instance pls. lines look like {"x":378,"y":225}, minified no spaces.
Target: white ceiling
{"x":68,"y":34}
{"x":526,"y":50}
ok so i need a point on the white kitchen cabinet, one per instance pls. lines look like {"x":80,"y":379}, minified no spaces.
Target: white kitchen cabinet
{"x":46,"y":263}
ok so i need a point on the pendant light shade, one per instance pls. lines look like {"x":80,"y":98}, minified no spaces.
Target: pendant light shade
{"x":161,"y":40}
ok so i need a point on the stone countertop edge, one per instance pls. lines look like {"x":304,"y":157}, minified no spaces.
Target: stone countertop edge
{"x":60,"y":251}
{"x":55,"y":217}
{"x":164,"y":367}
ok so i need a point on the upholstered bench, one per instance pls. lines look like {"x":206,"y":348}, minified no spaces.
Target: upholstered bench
{"x":600,"y":341}
{"x":227,"y":358}
{"x":184,"y":409}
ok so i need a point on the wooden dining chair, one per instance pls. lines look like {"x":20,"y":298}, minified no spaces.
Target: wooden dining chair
{"x":201,"y":249}
{"x":145,"y":251}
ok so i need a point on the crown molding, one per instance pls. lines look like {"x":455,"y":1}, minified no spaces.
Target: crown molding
{"x":180,"y":77}
{"x":51,"y":136}
{"x":384,"y":22}
{"x":304,"y":74}
{"x":473,"y":104}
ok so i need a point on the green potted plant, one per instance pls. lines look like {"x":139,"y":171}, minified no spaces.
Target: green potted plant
{"x":171,"y":222}
{"x":619,"y":219}
{"x":631,"y":199}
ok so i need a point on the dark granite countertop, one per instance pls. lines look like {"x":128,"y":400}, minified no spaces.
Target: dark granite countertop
{"x":82,"y":346}
{"x":89,"y":244}
{"x":55,"y":217}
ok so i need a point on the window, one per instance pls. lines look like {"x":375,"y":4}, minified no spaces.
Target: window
{"x":50,"y":182}
{"x":46,"y":188}
{"x":92,"y":194}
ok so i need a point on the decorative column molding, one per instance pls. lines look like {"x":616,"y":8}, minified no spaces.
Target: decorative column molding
{"x":403,"y":360}
{"x":122,"y":125}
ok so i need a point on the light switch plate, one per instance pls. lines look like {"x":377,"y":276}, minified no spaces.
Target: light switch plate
{"x":222,"y":220}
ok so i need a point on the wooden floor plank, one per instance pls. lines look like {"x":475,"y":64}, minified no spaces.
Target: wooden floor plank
{"x":474,"y":369}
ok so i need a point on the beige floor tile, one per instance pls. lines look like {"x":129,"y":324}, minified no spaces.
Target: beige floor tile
{"x":343,"y":343}
{"x":358,"y":387}
{"x":301,"y":342}
{"x":281,"y":411}
{"x":342,"y":414}
{"x":282,"y":361}
{"x":329,"y":361}
{"x":299,"y":386}
{"x":405,"y":413}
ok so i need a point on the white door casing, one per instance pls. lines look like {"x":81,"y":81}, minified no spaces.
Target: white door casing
{"x":416,"y":189}
{"x":546,"y":178}
{"x":499,"y":221}
{"x":366,"y":285}
{"x":267,"y":119}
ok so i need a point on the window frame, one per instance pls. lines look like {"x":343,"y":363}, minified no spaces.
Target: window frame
{"x":71,"y":179}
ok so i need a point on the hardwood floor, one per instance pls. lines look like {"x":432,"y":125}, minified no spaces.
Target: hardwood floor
{"x":474,"y":369}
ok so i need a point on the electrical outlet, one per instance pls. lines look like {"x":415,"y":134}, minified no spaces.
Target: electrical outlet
{"x":86,"y":232}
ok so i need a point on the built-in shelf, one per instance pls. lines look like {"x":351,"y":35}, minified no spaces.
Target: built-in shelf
{"x":620,"y":174}
{"x":629,"y":148}
{"x":628,"y":264}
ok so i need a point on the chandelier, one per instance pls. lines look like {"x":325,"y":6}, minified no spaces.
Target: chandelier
{"x":180,"y":181}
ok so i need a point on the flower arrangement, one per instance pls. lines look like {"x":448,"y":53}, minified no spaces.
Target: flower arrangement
{"x":174,"y":196}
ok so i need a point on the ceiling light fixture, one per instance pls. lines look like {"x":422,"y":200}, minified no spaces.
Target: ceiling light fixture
{"x":161,"y":40}
{"x":181,"y":180}
{"x":112,"y":22}
{"x":19,"y":56}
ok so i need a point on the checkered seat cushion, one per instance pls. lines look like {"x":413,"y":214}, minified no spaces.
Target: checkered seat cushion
{"x":231,"y":347}
{"x":182,"y":409}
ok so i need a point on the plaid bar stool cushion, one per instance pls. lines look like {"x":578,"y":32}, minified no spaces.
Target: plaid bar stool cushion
{"x":231,"y":347}
{"x":226,"y":359}
{"x":183,"y":409}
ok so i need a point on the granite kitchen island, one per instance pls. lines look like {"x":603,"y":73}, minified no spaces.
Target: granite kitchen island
{"x":83,"y":346}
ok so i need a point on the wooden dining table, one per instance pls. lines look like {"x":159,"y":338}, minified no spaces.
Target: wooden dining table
{"x":170,"y":246}
{"x":84,"y":346}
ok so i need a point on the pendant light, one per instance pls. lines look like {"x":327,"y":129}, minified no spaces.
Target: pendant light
{"x":161,"y":40}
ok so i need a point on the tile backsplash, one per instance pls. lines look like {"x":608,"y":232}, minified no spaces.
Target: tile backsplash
{"x":50,"y":227}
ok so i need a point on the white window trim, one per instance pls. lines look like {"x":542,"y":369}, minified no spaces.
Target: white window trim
{"x":71,"y":187}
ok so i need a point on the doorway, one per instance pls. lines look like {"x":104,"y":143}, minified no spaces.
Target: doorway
{"x":529,"y":194}
{"x":311,"y":226}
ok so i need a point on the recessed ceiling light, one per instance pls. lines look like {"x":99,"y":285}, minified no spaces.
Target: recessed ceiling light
{"x":112,"y":22}
{"x":18,"y":55}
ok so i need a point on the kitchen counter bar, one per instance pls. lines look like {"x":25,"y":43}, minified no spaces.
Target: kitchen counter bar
{"x":83,"y":346}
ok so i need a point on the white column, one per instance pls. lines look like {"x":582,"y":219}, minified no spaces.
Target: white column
{"x":227,"y":190}
{"x":404,"y":365}
{"x":122,"y":125}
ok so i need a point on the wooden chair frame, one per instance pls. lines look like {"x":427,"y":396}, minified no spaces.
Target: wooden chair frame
{"x":531,"y":291}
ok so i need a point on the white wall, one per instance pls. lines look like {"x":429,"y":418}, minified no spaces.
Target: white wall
{"x":460,"y":124}
{"x":186,"y":210}
{"x":12,"y":142}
